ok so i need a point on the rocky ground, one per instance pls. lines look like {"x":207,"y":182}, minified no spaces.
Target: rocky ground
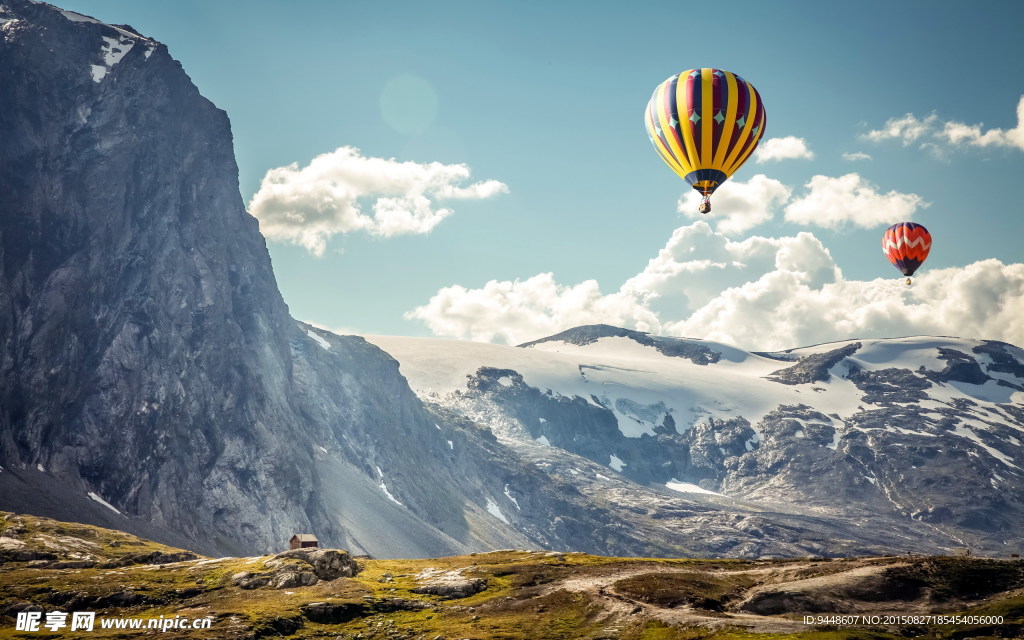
{"x":48,"y":566}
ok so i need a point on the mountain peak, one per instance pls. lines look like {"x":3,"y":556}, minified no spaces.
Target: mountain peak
{"x":588,"y":334}
{"x":582,"y":336}
{"x":99,"y":48}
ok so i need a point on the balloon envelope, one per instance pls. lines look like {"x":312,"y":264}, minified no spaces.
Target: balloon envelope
{"x":705,"y":123}
{"x":906,"y":245}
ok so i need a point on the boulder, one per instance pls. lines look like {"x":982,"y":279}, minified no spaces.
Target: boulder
{"x":451,"y":584}
{"x":333,"y":612}
{"x":327,"y":564}
{"x":299,"y":568}
{"x":291,"y":579}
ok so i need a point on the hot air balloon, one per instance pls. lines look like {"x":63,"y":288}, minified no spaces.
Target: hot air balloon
{"x":906,"y":244}
{"x":705,"y":123}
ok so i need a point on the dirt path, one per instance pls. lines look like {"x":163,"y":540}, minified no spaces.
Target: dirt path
{"x":622,"y":608}
{"x":825,"y":581}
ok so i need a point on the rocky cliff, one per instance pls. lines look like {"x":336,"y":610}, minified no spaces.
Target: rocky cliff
{"x":150,"y":375}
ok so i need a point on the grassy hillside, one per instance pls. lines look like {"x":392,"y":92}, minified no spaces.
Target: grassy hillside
{"x":51,"y":566}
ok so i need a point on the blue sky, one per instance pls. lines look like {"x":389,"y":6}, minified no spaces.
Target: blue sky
{"x":547,"y":99}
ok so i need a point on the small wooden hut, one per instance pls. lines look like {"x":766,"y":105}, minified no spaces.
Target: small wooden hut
{"x":303,"y":541}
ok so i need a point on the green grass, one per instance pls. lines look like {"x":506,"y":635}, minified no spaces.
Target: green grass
{"x":524,"y":599}
{"x":70,"y":541}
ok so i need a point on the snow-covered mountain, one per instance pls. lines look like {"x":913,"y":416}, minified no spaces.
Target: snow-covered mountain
{"x":919,"y":435}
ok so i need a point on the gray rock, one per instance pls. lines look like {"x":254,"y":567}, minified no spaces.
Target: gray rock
{"x":27,"y":555}
{"x":390,"y":605}
{"x":292,"y":579}
{"x":334,"y":612}
{"x":326,"y":564}
{"x":1002,"y":356}
{"x":960,"y":367}
{"x":889,"y":385}
{"x":73,"y":564}
{"x":250,"y":580}
{"x":673,"y":347}
{"x":452,"y":587}
{"x":299,"y":568}
{"x":815,"y":367}
{"x":154,"y":557}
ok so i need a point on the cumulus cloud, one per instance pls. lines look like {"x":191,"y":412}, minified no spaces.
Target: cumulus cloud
{"x":907,"y":129}
{"x":518,"y":311}
{"x":855,"y":156}
{"x":309,"y":205}
{"x":786,"y":148}
{"x":910,"y":129}
{"x":957,"y":133}
{"x":759,"y":293}
{"x":981,"y":300}
{"x":828,"y":202}
{"x":742,"y":206}
{"x":698,"y":264}
{"x":850,"y":199}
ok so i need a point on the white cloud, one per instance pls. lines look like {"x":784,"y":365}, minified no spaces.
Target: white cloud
{"x":981,"y":300}
{"x":828,"y":202}
{"x":758,"y":293}
{"x":909,"y":129}
{"x":309,"y":205}
{"x":855,"y":156}
{"x":697,"y":264}
{"x":957,"y":132}
{"x":519,"y":311}
{"x":741,"y":205}
{"x":849,"y":199}
{"x":939,"y":151}
{"x":786,"y":148}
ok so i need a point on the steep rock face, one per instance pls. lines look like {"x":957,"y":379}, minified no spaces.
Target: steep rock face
{"x":141,"y":332}
{"x":149,"y":370}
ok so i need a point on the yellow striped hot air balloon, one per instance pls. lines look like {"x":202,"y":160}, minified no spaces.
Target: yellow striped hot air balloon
{"x":705,"y":123}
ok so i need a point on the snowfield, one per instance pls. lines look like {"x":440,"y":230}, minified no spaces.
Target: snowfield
{"x":639,"y":383}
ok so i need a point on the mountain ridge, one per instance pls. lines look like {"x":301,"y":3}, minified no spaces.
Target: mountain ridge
{"x":745,"y":426}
